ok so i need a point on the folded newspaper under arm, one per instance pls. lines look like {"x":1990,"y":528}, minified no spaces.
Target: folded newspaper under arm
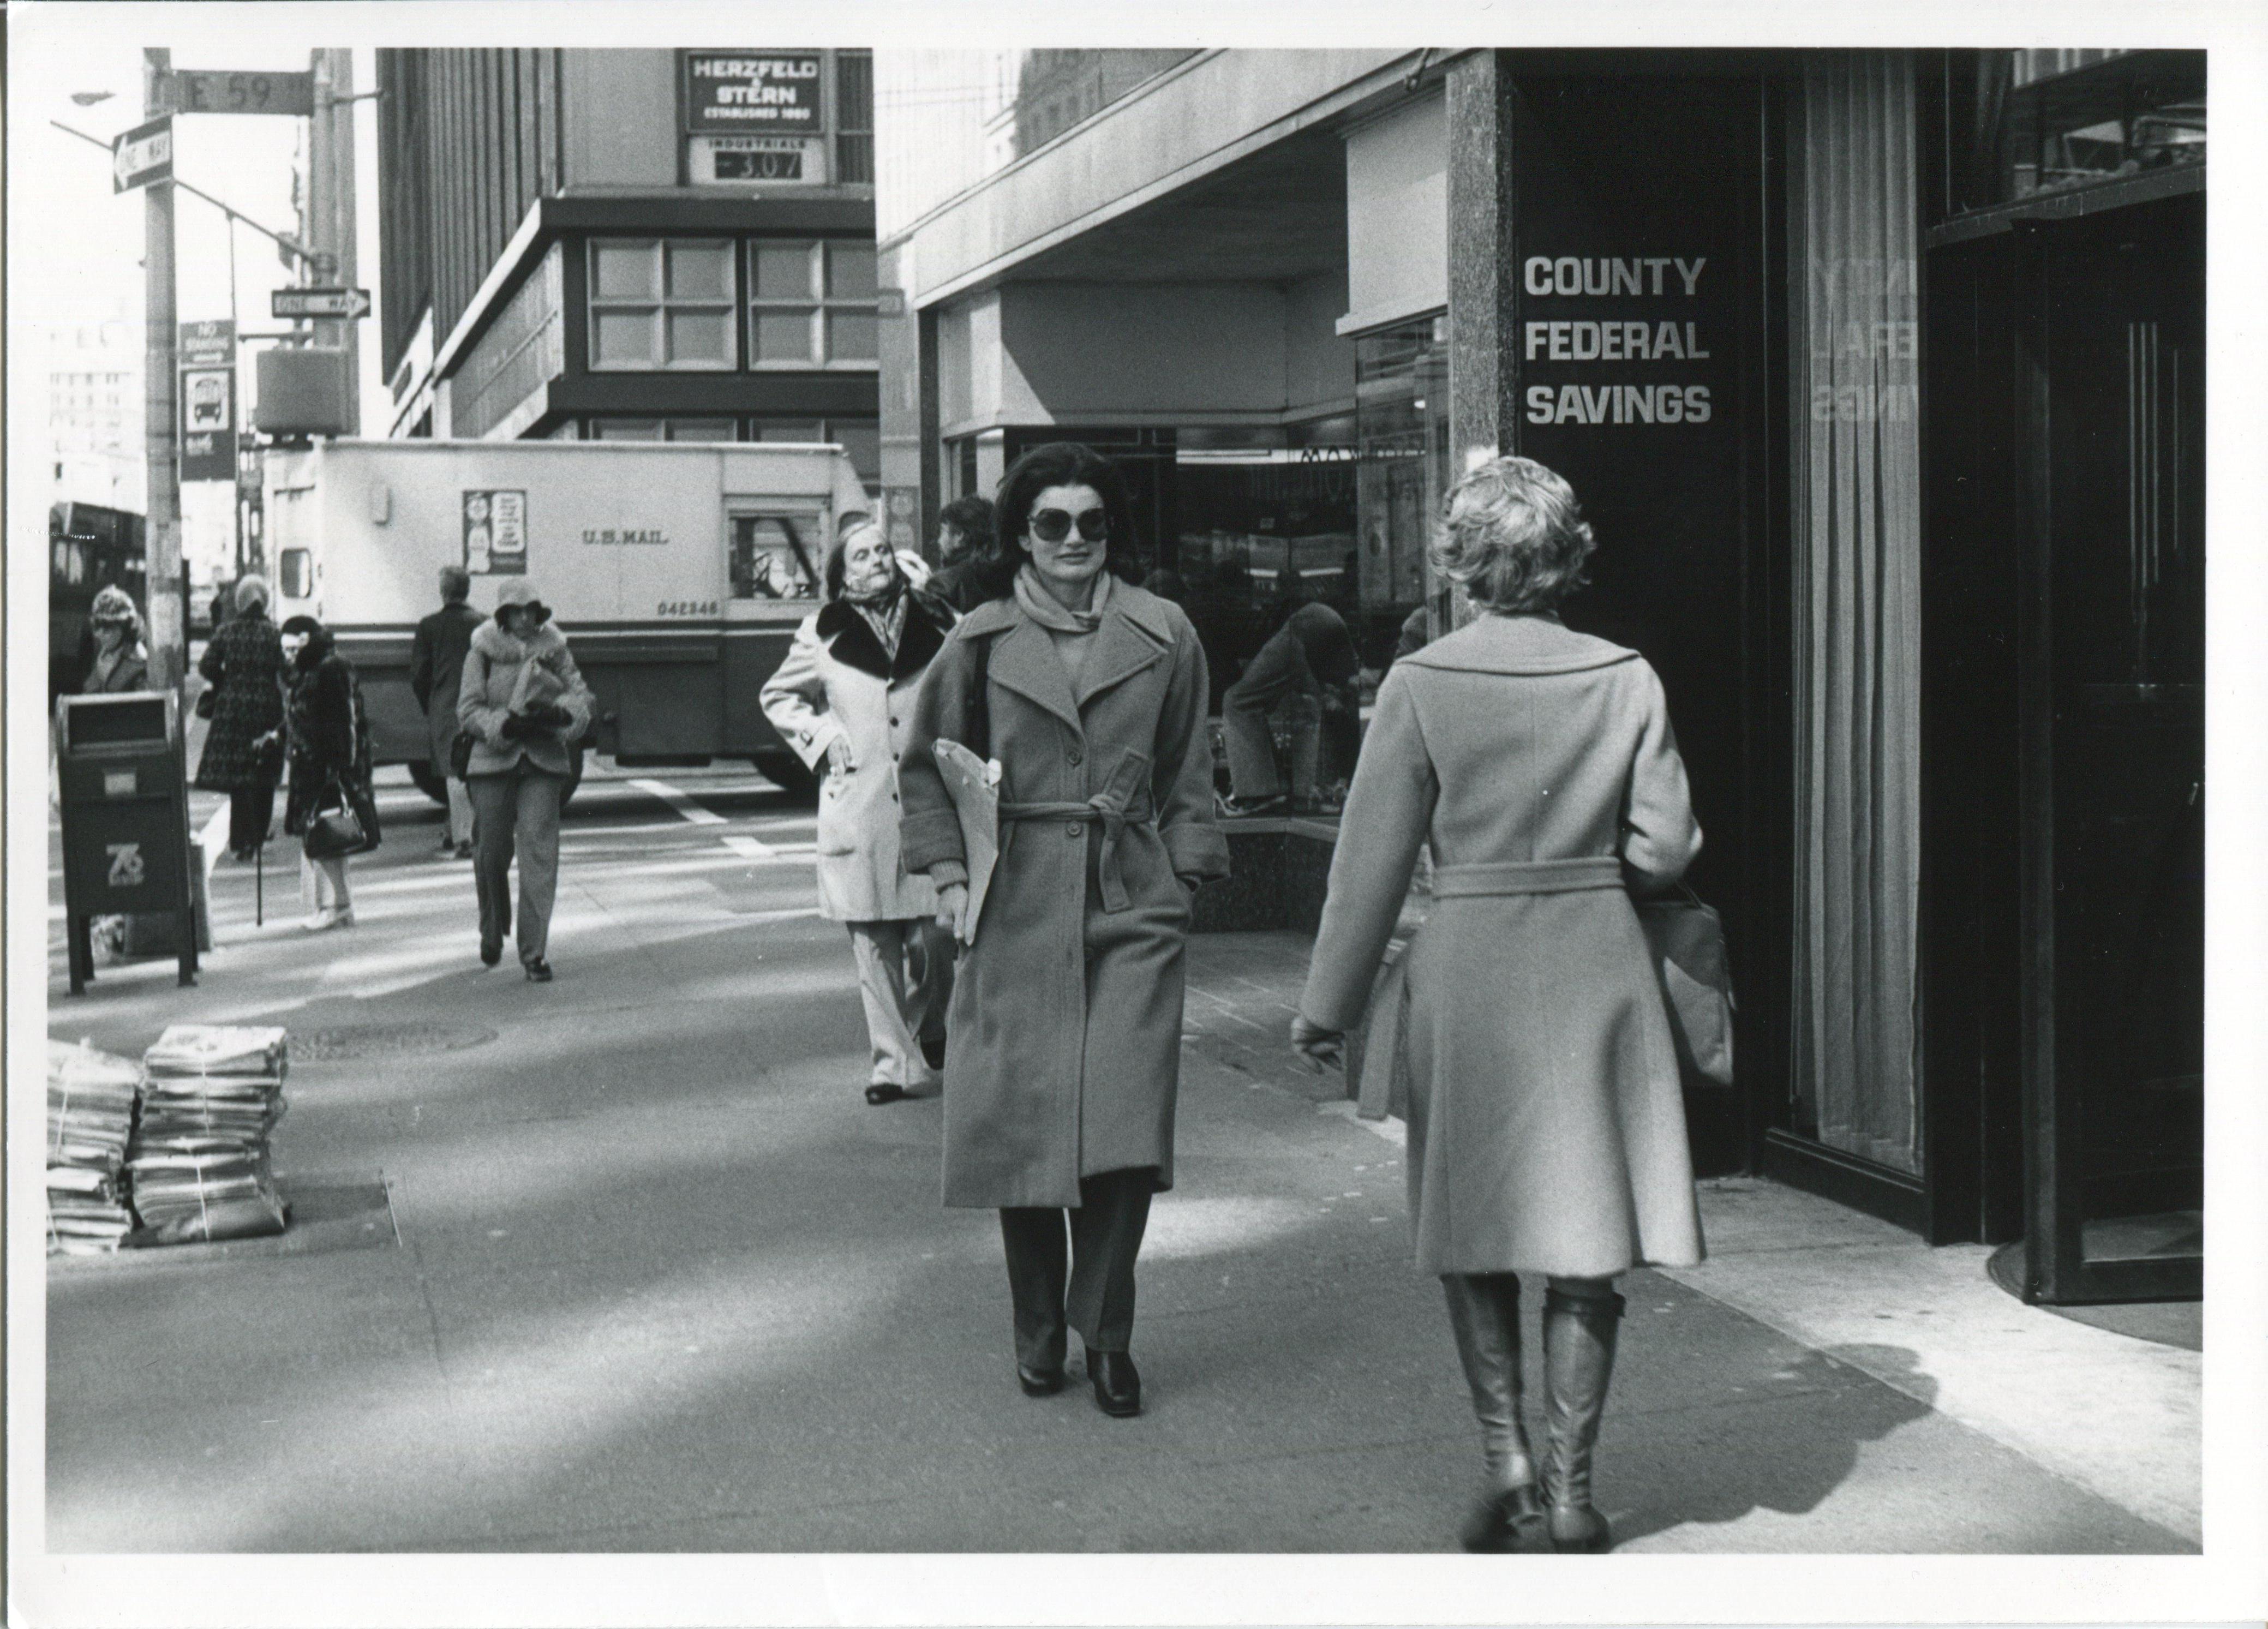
{"x":974,"y":785}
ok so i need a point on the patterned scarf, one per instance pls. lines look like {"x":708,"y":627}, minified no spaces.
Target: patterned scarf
{"x":885,"y":612}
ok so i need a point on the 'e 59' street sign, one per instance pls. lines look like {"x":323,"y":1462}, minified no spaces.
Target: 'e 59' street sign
{"x":224,"y":91}
{"x":767,"y":93}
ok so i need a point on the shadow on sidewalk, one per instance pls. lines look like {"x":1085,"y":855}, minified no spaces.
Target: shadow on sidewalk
{"x":1791,"y":1452}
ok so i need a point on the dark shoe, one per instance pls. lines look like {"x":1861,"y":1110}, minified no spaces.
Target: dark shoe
{"x":1493,"y":1524}
{"x":539,"y":971}
{"x":1579,"y":1360}
{"x":883,"y":1092}
{"x":1039,"y":1382}
{"x":464,"y":851}
{"x":933,"y":1051}
{"x":1117,"y":1387}
{"x":491,"y":952}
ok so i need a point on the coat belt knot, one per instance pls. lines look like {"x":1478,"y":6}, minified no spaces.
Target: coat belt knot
{"x":1116,"y":812}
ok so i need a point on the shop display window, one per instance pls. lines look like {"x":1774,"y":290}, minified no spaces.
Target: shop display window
{"x":1402,"y":433}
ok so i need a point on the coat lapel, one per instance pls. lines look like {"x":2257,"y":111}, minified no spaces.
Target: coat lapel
{"x":1134,"y":635}
{"x":1024,"y":661}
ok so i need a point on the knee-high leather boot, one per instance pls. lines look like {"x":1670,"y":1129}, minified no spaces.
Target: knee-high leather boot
{"x":1484,"y":1313}
{"x":1579,"y":1360}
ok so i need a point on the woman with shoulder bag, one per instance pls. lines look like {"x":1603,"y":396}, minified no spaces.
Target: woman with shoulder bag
{"x":845,"y":700}
{"x":1065,"y":1033}
{"x":1546,"y":1123}
{"x":524,"y":701}
{"x":328,"y":806}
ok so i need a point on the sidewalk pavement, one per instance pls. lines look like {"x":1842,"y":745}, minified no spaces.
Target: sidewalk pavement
{"x":645,"y":1273}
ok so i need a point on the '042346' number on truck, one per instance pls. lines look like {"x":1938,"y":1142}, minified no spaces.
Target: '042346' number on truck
{"x":686,"y":608}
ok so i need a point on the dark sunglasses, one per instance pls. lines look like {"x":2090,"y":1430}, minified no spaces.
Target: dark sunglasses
{"x":1052,"y":525}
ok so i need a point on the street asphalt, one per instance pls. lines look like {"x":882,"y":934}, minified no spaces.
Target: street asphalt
{"x":626,"y":1263}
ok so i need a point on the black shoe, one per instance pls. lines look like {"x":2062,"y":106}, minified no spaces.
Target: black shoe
{"x":1117,"y":1387}
{"x":1039,"y":1382}
{"x":491,"y":952}
{"x":883,"y":1092}
{"x":934,"y":1052}
{"x":539,"y":971}
{"x":464,"y":851}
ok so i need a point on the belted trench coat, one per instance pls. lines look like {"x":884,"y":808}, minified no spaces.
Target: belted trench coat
{"x":1064,"y":1058}
{"x":1546,"y":1127}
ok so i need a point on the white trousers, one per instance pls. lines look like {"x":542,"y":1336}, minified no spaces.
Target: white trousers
{"x":905,"y":978}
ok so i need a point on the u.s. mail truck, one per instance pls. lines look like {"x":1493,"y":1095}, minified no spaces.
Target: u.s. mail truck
{"x":678,"y":573}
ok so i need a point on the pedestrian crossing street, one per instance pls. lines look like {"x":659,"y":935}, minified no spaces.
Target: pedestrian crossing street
{"x":645,"y":856}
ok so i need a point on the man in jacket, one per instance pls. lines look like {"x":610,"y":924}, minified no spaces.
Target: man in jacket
{"x":436,"y":668}
{"x":965,"y":553}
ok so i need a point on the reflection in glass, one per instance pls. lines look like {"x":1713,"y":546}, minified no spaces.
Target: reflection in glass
{"x":774,"y":558}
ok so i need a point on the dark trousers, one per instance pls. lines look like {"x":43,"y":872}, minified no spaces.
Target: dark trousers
{"x":250,"y":808}
{"x":1090,"y":1283}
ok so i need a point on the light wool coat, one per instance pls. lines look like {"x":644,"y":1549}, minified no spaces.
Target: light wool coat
{"x":1547,"y":1130}
{"x":838,"y":684}
{"x":1065,"y":1028}
{"x":503,"y":672}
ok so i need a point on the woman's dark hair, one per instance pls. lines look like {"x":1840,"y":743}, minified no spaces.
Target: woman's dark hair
{"x":1059,"y":463}
{"x":320,"y":639}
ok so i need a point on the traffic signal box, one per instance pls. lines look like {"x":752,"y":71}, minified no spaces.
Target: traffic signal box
{"x":125,"y":818}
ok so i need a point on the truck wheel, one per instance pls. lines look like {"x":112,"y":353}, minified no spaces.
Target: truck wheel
{"x":785,"y":770}
{"x":432,"y":784}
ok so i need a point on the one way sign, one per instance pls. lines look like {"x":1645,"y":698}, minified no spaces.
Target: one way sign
{"x":314,"y":302}
{"x":143,"y":155}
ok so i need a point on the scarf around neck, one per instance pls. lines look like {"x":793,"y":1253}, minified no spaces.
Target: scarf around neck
{"x":885,"y":612}
{"x":1049,"y":612}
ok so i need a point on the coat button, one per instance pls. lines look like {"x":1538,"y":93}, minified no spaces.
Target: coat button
{"x":894,"y":724}
{"x":1075,"y":755}
{"x":1074,"y":829}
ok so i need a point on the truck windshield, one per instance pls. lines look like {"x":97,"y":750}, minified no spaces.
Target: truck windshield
{"x":775,"y":557}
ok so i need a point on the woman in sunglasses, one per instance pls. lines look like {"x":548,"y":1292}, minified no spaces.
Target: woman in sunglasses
{"x":1067,"y":1018}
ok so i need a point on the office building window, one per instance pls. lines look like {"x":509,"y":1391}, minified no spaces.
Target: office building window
{"x":854,"y":117}
{"x":704,"y":430}
{"x":811,"y":304}
{"x":662,"y":303}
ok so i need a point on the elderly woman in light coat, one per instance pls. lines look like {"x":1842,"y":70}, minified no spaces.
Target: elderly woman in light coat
{"x":844,"y":699}
{"x":1066,"y":1023}
{"x":1547,"y":1131}
{"x":524,"y":699}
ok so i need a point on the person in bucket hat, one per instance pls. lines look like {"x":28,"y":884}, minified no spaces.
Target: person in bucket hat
{"x":524,"y":700}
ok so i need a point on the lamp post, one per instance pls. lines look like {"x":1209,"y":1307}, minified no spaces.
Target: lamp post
{"x":169,"y":622}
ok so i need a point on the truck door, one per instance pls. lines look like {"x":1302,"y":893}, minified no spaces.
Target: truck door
{"x":775,"y":552}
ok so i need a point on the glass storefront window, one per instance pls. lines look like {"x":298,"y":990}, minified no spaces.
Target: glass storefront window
{"x":1402,"y":434}
{"x":2021,"y":124}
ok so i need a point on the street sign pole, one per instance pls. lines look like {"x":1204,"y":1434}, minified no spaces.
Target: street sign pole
{"x":162,"y":510}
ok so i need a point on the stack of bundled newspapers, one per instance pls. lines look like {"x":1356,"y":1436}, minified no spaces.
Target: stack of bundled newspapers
{"x":199,"y":1161}
{"x":90,"y":1118}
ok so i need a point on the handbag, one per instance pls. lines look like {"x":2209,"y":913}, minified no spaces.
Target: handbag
{"x":332,"y":833}
{"x":1686,"y":941}
{"x":461,"y":754}
{"x":208,"y":698}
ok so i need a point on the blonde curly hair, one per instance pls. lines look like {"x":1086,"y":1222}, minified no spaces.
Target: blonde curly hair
{"x":1514,"y":537}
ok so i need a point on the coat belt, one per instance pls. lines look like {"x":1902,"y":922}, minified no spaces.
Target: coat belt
{"x":1539,"y":876}
{"x":1114,"y":813}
